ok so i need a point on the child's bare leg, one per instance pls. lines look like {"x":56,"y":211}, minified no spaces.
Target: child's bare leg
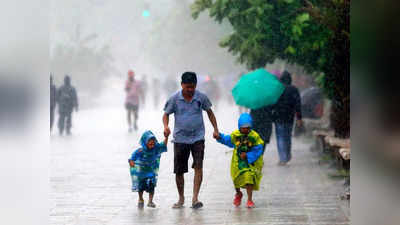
{"x":151,"y":195}
{"x":238,"y":197}
{"x":141,"y":196}
{"x":249,"y":189}
{"x":238,"y":192}
{"x":151,"y":203}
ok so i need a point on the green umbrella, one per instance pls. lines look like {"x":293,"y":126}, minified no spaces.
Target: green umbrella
{"x":257,"y":89}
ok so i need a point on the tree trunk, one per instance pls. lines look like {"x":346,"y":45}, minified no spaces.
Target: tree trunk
{"x":338,"y":80}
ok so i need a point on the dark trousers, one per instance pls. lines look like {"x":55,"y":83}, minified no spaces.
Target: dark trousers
{"x":65,"y":118}
{"x":51,"y":117}
{"x":283,"y":133}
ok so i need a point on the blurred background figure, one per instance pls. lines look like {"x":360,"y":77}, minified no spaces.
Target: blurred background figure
{"x":277,"y":73}
{"x":156,"y":92}
{"x":144,"y":87}
{"x":53,"y":101}
{"x":263,"y":119}
{"x":312,"y":103}
{"x":67,"y":100}
{"x":170,"y":87}
{"x":227,"y":82}
{"x":210,"y":87}
{"x":287,"y":107}
{"x":133,"y":93}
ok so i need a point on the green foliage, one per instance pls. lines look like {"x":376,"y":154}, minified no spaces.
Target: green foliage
{"x":297,"y":31}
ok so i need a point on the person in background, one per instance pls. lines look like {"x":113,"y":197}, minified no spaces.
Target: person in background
{"x":67,"y":100}
{"x":144,"y":88}
{"x":263,"y":119}
{"x":133,"y":92}
{"x":286,"y":109}
{"x":53,"y":101}
{"x":156,"y":92}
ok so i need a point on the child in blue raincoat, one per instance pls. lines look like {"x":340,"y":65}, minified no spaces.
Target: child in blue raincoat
{"x":144,"y":164}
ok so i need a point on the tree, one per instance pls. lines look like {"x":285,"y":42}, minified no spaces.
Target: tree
{"x":311,"y":33}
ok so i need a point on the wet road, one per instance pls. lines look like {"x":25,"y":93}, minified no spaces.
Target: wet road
{"x":90,"y":181}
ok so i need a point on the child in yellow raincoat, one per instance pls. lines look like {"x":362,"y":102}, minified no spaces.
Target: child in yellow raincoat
{"x":247,"y":159}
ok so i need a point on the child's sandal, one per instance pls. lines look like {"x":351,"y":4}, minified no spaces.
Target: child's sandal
{"x":238,"y":199}
{"x":250,"y":204}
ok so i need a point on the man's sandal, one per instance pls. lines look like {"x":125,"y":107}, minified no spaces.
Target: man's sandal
{"x":197,"y":205}
{"x":177,"y":205}
{"x":151,"y":205}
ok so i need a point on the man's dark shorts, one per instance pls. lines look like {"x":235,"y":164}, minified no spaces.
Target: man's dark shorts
{"x":132,"y":107}
{"x":181,"y":156}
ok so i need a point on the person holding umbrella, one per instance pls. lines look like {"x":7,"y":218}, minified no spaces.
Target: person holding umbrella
{"x":259,"y":90}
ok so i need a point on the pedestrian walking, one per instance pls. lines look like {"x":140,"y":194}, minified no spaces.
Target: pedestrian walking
{"x":144,"y":164}
{"x":262,"y":122}
{"x":156,"y":92}
{"x":287,"y":108}
{"x":133,"y":93}
{"x":247,"y":158}
{"x":187,"y":106}
{"x":67,"y":100}
{"x":53,"y":101}
{"x":144,"y":90}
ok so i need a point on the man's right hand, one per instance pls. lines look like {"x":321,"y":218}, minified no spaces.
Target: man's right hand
{"x":216,"y":135}
{"x":167,"y":131}
{"x":131,"y":163}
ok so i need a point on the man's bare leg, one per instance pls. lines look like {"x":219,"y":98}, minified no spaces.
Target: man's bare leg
{"x":198,"y":178}
{"x":180,"y":184}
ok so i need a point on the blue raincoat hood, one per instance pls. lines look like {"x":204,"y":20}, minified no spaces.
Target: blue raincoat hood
{"x":245,"y":119}
{"x":146,"y":136}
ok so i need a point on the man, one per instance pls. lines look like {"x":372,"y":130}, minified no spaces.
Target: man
{"x":133,"y":92}
{"x":287,"y":107}
{"x":53,"y":94}
{"x":67,"y":101}
{"x":187,"y":106}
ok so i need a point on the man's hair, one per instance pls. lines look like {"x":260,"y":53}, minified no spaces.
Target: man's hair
{"x":189,"y":78}
{"x":286,"y":78}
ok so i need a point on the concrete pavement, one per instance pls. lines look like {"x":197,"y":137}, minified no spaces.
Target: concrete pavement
{"x":90,"y":182}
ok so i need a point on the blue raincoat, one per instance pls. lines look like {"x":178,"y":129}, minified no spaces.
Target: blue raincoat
{"x":147,"y":162}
